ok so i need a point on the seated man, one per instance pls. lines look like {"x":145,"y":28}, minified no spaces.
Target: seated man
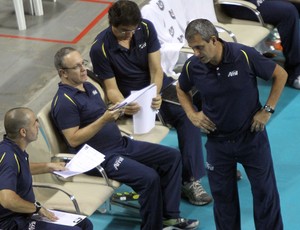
{"x":17,"y":201}
{"x":152,"y":170}
{"x":285,"y":17}
{"x":126,"y":57}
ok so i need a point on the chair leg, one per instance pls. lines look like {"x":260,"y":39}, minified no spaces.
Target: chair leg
{"x":38,"y":7}
{"x":19,"y":9}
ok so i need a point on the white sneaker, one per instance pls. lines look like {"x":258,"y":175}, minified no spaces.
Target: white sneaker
{"x":296,"y":83}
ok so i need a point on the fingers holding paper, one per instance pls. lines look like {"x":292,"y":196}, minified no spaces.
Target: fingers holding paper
{"x":156,"y":102}
{"x":132,"y":108}
{"x":113,"y":114}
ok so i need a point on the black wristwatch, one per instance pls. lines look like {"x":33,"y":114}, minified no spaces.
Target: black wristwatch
{"x":268,"y":109}
{"x":38,"y":206}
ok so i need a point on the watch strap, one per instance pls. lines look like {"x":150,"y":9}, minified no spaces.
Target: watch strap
{"x":38,"y":206}
{"x":268,"y":109}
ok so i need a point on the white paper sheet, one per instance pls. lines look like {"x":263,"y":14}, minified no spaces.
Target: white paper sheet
{"x":68,"y":219}
{"x":84,"y":160}
{"x":144,"y":120}
{"x":132,"y":97}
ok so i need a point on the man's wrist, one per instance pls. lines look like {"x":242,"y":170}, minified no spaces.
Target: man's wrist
{"x":269,"y":109}
{"x":38,"y":206}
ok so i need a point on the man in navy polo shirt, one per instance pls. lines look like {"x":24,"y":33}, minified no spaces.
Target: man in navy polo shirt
{"x":152,"y":170}
{"x":234,"y":120}
{"x":126,"y":57}
{"x":17,"y":200}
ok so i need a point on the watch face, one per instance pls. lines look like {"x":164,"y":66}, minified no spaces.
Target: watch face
{"x":268,"y":109}
{"x":37,"y":204}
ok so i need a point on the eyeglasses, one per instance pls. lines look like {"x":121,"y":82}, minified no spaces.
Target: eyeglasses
{"x":78,"y":66}
{"x":124,"y":32}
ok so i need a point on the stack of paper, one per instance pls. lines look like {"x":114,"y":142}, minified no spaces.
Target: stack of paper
{"x":144,"y":120}
{"x":86,"y":159}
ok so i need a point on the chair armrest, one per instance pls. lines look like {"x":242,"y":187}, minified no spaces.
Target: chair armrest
{"x":59,"y":188}
{"x":245,"y":4}
{"x":104,"y":175}
{"x":221,"y":29}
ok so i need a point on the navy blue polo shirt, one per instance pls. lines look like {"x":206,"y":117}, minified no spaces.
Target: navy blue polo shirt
{"x":229,"y":91}
{"x":72,"y":107}
{"x":14,"y":175}
{"x":128,"y":66}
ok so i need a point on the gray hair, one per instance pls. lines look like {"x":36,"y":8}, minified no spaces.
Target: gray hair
{"x":59,"y":57}
{"x":203,"y":27}
{"x":15,"y":119}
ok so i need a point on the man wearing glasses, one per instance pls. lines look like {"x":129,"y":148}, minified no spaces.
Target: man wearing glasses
{"x":151,"y":170}
{"x":126,"y":57}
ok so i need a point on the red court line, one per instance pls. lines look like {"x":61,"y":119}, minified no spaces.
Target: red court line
{"x":78,"y":37}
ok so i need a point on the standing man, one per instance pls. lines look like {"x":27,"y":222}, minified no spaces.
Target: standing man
{"x":234,"y":120}
{"x":126,"y":57}
{"x":17,"y":201}
{"x":151,"y":170}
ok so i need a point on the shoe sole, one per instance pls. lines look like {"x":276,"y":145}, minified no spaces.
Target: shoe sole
{"x":174,"y":228}
{"x":195,"y":203}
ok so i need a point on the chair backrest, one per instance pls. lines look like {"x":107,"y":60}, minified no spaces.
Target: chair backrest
{"x":169,"y":33}
{"x":54,"y":138}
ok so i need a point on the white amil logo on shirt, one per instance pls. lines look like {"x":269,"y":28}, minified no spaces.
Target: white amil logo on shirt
{"x":233,"y":73}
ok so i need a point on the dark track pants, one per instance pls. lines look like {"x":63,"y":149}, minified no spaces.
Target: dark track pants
{"x":252,"y":150}
{"x":154,"y":172}
{"x":285,"y":16}
{"x":189,"y":141}
{"x":22,"y":223}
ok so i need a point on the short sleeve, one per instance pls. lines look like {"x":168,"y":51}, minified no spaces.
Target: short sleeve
{"x":184,"y":78}
{"x":8,"y":171}
{"x":100,"y":61}
{"x":65,"y":113}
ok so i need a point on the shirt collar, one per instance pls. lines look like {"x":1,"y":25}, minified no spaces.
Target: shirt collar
{"x":114,"y":45}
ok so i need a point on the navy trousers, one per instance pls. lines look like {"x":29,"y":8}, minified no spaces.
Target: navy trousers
{"x":154,"y":172}
{"x":86,"y":224}
{"x":285,"y":16}
{"x":189,"y":141}
{"x":252,"y":150}
{"x":26,"y":223}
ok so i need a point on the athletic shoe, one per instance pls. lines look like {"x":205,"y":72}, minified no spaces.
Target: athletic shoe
{"x":125,"y":196}
{"x":296,"y":83}
{"x":195,"y":193}
{"x":180,"y":223}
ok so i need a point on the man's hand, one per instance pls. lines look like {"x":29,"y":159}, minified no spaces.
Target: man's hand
{"x":56,"y":166}
{"x":112,"y":115}
{"x":156,"y":102}
{"x":132,"y":108}
{"x":260,"y":120}
{"x":49,"y":215}
{"x":200,"y":120}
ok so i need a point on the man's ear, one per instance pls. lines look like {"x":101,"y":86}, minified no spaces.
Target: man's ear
{"x":214,"y":39}
{"x":61,"y":72}
{"x":23,"y":132}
